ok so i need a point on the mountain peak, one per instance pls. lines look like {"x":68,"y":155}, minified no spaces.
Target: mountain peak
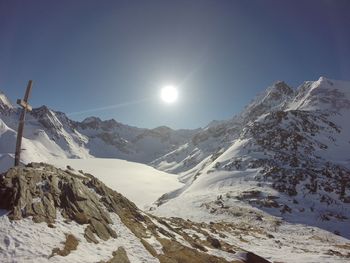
{"x":42,"y":112}
{"x":91,"y":119}
{"x":322,"y":94}
{"x":274,"y":97}
{"x":42,"y":108}
{"x":162,"y":129}
{"x":282,"y":87}
{"x":5,"y":103}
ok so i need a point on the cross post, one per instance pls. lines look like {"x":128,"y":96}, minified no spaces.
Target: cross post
{"x":25,"y":107}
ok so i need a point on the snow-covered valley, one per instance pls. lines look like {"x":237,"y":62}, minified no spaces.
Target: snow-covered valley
{"x":140,"y":183}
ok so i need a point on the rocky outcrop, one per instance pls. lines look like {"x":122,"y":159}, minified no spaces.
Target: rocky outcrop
{"x":40,"y":190}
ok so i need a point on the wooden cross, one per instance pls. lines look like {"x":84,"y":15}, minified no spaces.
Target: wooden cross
{"x":25,"y":107}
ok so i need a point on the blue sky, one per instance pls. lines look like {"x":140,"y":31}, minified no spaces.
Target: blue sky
{"x":110,"y":58}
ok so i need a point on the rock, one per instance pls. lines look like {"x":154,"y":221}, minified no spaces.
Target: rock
{"x":119,"y":256}
{"x":198,"y":246}
{"x":149,"y":247}
{"x":49,"y":207}
{"x":259,"y":218}
{"x":39,"y":212}
{"x":89,"y":235}
{"x":165,"y":233}
{"x":100,"y":229}
{"x":175,"y":252}
{"x":70,"y":244}
{"x":285,"y":209}
{"x":214,"y":242}
{"x":81,"y":218}
{"x":253,"y":258}
{"x":269,"y":203}
{"x":111,"y":232}
{"x":54,"y":185}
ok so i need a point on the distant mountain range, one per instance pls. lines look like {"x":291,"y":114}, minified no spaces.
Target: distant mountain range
{"x":51,"y":134}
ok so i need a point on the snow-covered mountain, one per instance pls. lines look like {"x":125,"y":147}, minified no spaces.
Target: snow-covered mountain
{"x":286,"y":154}
{"x":112,"y":139}
{"x":320,"y":101}
{"x":50,"y":134}
{"x":219,"y":135}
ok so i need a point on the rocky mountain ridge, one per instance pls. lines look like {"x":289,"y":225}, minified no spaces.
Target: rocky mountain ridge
{"x":289,"y":159}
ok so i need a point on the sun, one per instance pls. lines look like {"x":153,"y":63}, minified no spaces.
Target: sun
{"x":169,"y":94}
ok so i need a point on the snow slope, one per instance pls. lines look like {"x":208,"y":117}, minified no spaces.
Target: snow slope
{"x":36,"y":146}
{"x":140,"y":183}
{"x":25,"y":241}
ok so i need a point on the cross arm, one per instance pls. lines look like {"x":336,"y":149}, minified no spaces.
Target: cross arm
{"x":24,"y":104}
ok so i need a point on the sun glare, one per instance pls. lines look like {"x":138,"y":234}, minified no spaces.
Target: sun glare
{"x":169,"y":94}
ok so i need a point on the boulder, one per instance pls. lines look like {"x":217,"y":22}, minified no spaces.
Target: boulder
{"x":119,"y":256}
